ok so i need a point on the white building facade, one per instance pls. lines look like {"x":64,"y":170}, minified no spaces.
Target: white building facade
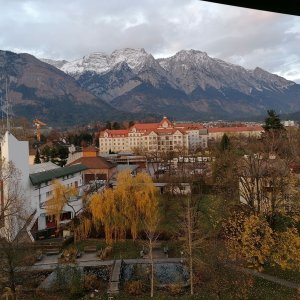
{"x":36,"y":187}
{"x":163,"y":136}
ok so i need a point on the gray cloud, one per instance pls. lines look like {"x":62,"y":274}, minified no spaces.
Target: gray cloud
{"x":71,"y":29}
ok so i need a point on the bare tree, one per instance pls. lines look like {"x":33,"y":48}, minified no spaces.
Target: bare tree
{"x":13,"y":219}
{"x":151,"y":230}
{"x":192,"y":235}
{"x":14,"y":253}
{"x":184,"y":186}
{"x":10,"y":192}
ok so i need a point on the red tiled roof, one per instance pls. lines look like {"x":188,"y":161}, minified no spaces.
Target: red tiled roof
{"x":189,"y":126}
{"x":97,"y":162}
{"x":235,"y":129}
{"x":145,"y":126}
{"x":165,"y":119}
{"x":115,"y":133}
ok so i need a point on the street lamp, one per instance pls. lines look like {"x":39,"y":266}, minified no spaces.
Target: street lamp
{"x":181,"y":258}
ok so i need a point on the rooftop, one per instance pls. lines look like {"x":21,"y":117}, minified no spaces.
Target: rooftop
{"x":96,"y":162}
{"x":122,"y":167}
{"x":37,"y":168}
{"x":40,"y":177}
{"x":235,"y":129}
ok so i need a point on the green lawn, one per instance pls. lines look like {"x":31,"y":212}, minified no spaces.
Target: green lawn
{"x":266,"y":290}
{"x":120,"y":249}
{"x":261,"y":290}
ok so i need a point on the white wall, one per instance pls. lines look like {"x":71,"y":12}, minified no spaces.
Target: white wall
{"x":39,"y":195}
{"x":17,"y":152}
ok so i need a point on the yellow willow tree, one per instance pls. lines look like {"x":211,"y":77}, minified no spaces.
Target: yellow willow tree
{"x":106,"y":210}
{"x":137,"y":195}
{"x":126,"y":207}
{"x":62,"y":196}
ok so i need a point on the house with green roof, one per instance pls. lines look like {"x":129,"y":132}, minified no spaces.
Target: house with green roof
{"x":36,"y":183}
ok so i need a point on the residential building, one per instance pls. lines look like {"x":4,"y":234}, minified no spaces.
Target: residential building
{"x":98,"y":168}
{"x":216,"y":133}
{"x":162,"y":136}
{"x":36,"y":187}
{"x":41,"y":190}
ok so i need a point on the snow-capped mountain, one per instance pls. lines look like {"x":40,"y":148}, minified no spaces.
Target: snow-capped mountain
{"x":38,"y":90}
{"x":100,"y":62}
{"x":56,"y":63}
{"x":190,"y":83}
{"x":192,"y":69}
{"x":109,"y":76}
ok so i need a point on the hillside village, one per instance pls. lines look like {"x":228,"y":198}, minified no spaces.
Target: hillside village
{"x":237,"y":172}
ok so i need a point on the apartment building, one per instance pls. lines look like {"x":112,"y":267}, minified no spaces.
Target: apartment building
{"x":35,"y":188}
{"x":216,"y":133}
{"x":162,"y":136}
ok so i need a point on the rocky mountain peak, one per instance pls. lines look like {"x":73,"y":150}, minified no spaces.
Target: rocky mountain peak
{"x":273,"y":79}
{"x":135,"y":58}
{"x":190,"y":54}
{"x":100,"y":62}
{"x":132,"y":79}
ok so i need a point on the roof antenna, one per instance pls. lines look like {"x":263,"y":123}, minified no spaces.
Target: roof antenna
{"x":7,"y":107}
{"x":2,"y":116}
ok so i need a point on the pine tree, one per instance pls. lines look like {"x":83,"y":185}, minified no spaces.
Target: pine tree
{"x":272,"y":121}
{"x":108,"y":125}
{"x":116,"y":126}
{"x":131,"y":123}
{"x":225,"y":142}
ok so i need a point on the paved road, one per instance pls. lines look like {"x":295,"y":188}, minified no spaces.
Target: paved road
{"x":51,"y":265}
{"x":283,"y":282}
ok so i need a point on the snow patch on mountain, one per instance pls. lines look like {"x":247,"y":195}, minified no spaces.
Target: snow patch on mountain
{"x":187,"y":70}
{"x":100,"y":62}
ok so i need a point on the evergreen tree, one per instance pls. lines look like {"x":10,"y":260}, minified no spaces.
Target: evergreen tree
{"x":108,"y":125}
{"x":131,"y":123}
{"x":116,"y":126}
{"x":37,"y":159}
{"x":272,"y":121}
{"x":225,"y":142}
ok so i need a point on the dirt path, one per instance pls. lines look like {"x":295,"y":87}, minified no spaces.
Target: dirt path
{"x":283,"y":282}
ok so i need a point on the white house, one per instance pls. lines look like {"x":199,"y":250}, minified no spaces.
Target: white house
{"x":36,"y":184}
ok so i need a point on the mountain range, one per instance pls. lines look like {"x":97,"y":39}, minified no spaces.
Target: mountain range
{"x":132,"y":84}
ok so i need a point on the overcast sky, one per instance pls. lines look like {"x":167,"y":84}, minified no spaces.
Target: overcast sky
{"x":70,"y":29}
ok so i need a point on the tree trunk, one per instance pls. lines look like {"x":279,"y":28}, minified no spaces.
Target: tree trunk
{"x":190,"y":245}
{"x":152,"y":268}
{"x":258,"y":195}
{"x":12,"y":281}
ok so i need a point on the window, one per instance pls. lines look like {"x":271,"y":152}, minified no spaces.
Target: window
{"x":48,"y":194}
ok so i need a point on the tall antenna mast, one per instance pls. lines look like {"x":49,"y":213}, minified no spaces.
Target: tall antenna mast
{"x":7,"y":107}
{"x":2,"y":116}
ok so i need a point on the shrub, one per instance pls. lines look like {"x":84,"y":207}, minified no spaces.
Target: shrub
{"x":68,"y":277}
{"x":90,"y":282}
{"x":134,"y":287}
{"x":175,"y":289}
{"x":69,"y":255}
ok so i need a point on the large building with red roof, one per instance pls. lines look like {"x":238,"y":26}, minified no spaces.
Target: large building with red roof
{"x":162,"y":136}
